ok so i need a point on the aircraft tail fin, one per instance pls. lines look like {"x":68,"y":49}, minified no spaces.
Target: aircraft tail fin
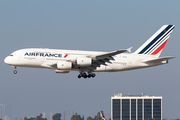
{"x":155,"y":44}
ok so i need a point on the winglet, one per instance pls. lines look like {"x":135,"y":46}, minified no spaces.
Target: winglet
{"x":129,"y":49}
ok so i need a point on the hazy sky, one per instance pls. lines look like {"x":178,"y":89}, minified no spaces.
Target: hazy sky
{"x":96,"y":25}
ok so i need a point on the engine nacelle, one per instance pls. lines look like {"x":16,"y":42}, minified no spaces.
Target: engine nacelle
{"x":62,"y":71}
{"x":63,"y":65}
{"x":84,"y":61}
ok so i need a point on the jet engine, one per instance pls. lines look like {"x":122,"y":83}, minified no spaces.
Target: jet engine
{"x":84,"y":61}
{"x":63,"y":65}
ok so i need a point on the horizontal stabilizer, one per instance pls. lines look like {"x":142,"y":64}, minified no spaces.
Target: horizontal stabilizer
{"x":158,"y":60}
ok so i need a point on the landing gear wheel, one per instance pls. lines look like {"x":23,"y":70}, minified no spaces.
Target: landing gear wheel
{"x":15,"y":71}
{"x":84,"y":75}
{"x":89,"y":75}
{"x":93,"y":75}
{"x":80,"y":75}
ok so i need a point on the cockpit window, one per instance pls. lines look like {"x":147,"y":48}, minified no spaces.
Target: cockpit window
{"x":11,"y":55}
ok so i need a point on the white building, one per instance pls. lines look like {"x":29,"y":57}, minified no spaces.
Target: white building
{"x":51,"y":115}
{"x":44,"y":115}
{"x":136,"y":107}
{"x":6,"y":117}
{"x":2,"y":111}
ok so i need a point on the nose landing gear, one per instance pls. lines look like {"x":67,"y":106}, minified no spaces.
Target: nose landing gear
{"x":15,"y":71}
{"x":84,"y":75}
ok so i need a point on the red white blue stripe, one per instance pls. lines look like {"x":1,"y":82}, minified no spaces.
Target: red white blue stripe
{"x":156,"y":43}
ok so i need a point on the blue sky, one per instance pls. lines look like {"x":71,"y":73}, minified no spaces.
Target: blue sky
{"x":85,"y":25}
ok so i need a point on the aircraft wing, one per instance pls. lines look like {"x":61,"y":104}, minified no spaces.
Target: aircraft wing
{"x":113,"y":53}
{"x":101,"y":59}
{"x":158,"y":60}
{"x":98,"y":60}
{"x":109,"y":54}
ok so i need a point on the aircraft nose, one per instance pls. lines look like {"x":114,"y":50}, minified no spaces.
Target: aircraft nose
{"x":7,"y":60}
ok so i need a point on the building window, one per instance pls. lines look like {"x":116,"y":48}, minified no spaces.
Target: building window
{"x":139,"y":109}
{"x":157,"y":109}
{"x":133,"y":109}
{"x":147,"y":109}
{"x":125,"y":109}
{"x":116,"y":109}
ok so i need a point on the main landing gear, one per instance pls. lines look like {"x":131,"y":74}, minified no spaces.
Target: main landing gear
{"x":15,"y":71}
{"x":84,"y":75}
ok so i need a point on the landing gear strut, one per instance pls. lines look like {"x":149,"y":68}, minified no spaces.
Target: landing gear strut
{"x":15,"y":71}
{"x":84,"y":75}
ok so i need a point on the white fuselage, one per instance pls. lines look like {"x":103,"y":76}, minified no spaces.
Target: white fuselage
{"x":87,"y":62}
{"x":45,"y":58}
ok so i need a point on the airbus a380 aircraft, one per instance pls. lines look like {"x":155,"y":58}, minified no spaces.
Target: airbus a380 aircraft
{"x":89,"y":62}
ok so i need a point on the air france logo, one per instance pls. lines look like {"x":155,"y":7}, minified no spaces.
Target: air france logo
{"x":43,"y":54}
{"x":65,"y":55}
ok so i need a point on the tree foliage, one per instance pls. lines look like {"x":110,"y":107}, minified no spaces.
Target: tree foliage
{"x":40,"y":117}
{"x":97,"y":117}
{"x":31,"y":118}
{"x":77,"y":117}
{"x":56,"y":116}
{"x":90,"y":118}
{"x":37,"y":118}
{"x":25,"y":118}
